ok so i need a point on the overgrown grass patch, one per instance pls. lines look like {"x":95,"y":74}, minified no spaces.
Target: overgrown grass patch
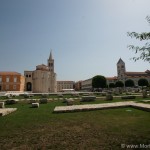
{"x":40,"y":128}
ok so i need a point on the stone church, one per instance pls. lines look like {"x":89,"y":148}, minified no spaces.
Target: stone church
{"x":124,"y":75}
{"x":43,"y":79}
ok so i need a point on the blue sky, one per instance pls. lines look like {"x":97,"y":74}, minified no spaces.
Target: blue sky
{"x":87,"y":36}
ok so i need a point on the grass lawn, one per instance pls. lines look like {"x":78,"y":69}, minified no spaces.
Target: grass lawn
{"x":40,"y":128}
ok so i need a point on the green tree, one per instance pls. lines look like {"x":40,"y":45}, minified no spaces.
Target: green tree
{"x":98,"y":81}
{"x":119,"y":84}
{"x":144,"y":50}
{"x":111,"y":85}
{"x":142,"y":82}
{"x":129,"y":83}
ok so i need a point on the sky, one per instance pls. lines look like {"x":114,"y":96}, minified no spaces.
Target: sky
{"x":87,"y":37}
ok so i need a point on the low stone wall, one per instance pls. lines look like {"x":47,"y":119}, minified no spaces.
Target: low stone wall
{"x":88,"y":107}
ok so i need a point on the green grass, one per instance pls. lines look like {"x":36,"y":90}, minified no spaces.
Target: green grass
{"x":40,"y":128}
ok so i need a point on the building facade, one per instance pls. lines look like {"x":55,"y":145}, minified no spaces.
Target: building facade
{"x":87,"y":85}
{"x":43,"y":79}
{"x":61,"y":85}
{"x":111,"y":80}
{"x":78,"y":85}
{"x":124,"y":75}
{"x":11,"y":81}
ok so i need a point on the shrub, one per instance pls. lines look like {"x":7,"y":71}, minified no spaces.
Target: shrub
{"x":26,"y":96}
{"x":128,"y":97}
{"x":60,"y":95}
{"x":144,"y":93}
{"x":44,"y":95}
{"x":10,"y":101}
{"x":103,"y":93}
{"x":109,"y":96}
{"x":43,"y":101}
{"x":32,"y":101}
{"x":88,"y":98}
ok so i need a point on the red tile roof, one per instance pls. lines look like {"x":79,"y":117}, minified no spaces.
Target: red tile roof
{"x":135,"y":73}
{"x":9,"y":73}
{"x":111,"y":78}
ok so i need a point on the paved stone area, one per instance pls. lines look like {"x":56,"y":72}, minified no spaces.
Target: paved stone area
{"x":145,"y":100}
{"x":6,"y":111}
{"x":86,"y":107}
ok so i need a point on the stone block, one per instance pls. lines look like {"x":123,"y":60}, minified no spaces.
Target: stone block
{"x":32,"y":101}
{"x":2,"y":105}
{"x":70,"y":102}
{"x":35,"y":105}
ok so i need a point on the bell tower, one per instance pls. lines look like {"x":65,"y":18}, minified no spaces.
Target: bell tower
{"x":50,"y":62}
{"x":121,"y":69}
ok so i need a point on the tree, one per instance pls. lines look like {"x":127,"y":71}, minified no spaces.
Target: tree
{"x":119,"y":84}
{"x":111,"y":85}
{"x":99,"y":81}
{"x":129,"y":83}
{"x":145,"y":50}
{"x":142,"y":82}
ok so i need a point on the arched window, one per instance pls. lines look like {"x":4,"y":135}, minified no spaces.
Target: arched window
{"x":29,"y":86}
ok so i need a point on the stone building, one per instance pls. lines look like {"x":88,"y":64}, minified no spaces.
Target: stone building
{"x":65,"y":85}
{"x":124,"y":75}
{"x":43,"y":79}
{"x":11,"y":81}
{"x":78,"y":85}
{"x":86,"y":84}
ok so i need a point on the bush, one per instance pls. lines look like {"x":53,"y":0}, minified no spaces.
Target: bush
{"x":60,"y":95}
{"x":88,"y":98}
{"x":127,"y":93}
{"x":32,"y":101}
{"x":4,"y":97}
{"x":128,"y":97}
{"x":103,"y":93}
{"x":109,"y":96}
{"x":144,"y":93}
{"x":10,"y":101}
{"x":43,"y":101}
{"x":44,"y":95}
{"x":75,"y":94}
{"x":26,"y":96}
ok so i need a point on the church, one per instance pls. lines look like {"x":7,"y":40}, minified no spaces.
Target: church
{"x":43,"y":79}
{"x":124,"y":75}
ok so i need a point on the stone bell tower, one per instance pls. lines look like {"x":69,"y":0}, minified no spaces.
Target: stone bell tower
{"x":50,"y":63}
{"x":121,"y":69}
